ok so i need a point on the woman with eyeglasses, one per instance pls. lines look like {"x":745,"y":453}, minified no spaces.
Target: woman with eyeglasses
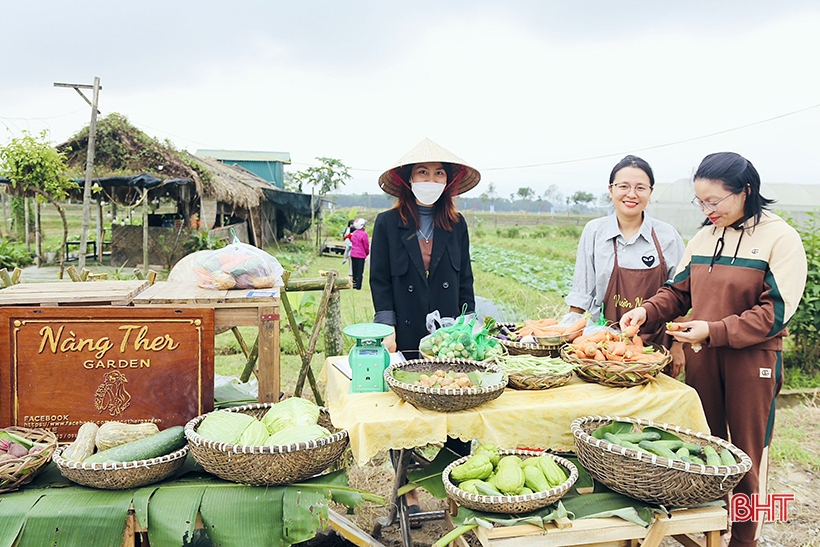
{"x":742,"y":275}
{"x":627,"y":256}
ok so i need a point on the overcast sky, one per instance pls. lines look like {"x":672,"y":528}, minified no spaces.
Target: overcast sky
{"x":532,"y":93}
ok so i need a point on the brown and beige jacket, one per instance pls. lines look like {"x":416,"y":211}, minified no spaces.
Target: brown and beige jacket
{"x":745,"y":281}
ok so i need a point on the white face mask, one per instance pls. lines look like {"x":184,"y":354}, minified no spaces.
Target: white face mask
{"x":427,"y":192}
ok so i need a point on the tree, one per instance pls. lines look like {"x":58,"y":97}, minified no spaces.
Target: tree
{"x":604,"y":200}
{"x":328,"y":176}
{"x":584,"y":198}
{"x":553,"y":194}
{"x":526,"y":193}
{"x":35,"y":168}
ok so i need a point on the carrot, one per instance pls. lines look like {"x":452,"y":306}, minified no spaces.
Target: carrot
{"x":590,"y":349}
{"x":599,"y":356}
{"x":599,"y":336}
{"x":671,"y":325}
{"x":580,"y":340}
{"x":637,"y":341}
{"x":618,"y":348}
{"x":630,"y":331}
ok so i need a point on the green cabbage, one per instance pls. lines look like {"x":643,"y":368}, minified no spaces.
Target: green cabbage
{"x":289,"y":413}
{"x":254,"y":435}
{"x":224,"y":427}
{"x":300,"y":434}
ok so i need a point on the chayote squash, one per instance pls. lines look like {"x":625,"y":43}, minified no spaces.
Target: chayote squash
{"x":509,"y":477}
{"x":469,"y":486}
{"x":491,"y":450}
{"x":553,"y":472}
{"x":477,"y":466}
{"x":534,"y":479}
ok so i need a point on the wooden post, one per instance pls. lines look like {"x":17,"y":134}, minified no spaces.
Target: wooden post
{"x":333,"y":325}
{"x":89,"y":170}
{"x":145,"y":230}
{"x":38,"y":241}
{"x":28,"y":236}
{"x":99,"y":229}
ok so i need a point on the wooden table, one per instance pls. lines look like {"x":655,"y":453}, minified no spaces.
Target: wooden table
{"x":252,"y":307}
{"x":613,"y":532}
{"x":68,"y":293}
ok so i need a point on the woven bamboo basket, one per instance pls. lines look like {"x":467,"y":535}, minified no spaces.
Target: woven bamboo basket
{"x":120,"y":475}
{"x":534,"y":381}
{"x":17,"y":472}
{"x":618,"y":373}
{"x":550,"y":348}
{"x":653,"y":479}
{"x":265,"y":465}
{"x":445,"y":399}
{"x":510,"y":504}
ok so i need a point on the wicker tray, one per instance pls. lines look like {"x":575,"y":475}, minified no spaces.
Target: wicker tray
{"x":19,"y":471}
{"x":265,"y":465}
{"x":120,"y":476}
{"x":651,"y":478}
{"x":510,"y":504}
{"x":617,"y":373}
{"x":445,"y":399}
{"x":539,"y":350}
{"x":530,"y":380}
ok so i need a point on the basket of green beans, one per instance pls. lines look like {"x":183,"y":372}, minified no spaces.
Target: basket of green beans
{"x":527,"y":371}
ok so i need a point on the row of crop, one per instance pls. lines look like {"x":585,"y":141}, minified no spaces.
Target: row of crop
{"x":539,"y":273}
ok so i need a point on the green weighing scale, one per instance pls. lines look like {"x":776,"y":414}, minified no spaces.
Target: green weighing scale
{"x":368,"y":358}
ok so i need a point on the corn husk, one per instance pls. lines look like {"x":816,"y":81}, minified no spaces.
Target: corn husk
{"x":289,"y":413}
{"x":298,"y":434}
{"x":254,"y":435}
{"x":224,"y":427}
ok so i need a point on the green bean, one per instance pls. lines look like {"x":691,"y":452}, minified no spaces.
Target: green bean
{"x":531,"y":363}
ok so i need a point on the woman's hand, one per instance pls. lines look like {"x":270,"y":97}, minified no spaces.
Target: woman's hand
{"x":635,"y":317}
{"x":390,"y":342}
{"x":678,"y":359}
{"x":691,"y":332}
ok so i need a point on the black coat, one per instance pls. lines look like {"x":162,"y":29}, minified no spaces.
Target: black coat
{"x":399,"y":283}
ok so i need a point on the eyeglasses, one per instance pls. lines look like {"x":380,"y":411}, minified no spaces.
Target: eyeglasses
{"x":624,"y":188}
{"x":710,"y":206}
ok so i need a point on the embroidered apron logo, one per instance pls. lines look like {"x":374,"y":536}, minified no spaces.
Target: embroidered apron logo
{"x":648,"y":260}
{"x":755,"y":251}
{"x":621,"y":302}
{"x":765,"y":373}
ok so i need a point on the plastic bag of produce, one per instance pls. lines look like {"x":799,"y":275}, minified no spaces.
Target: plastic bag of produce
{"x":237,"y":266}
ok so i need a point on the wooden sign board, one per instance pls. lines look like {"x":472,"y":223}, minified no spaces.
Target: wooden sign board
{"x":63,"y":366}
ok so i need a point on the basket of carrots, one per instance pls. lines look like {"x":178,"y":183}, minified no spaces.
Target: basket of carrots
{"x":542,"y":337}
{"x":616,"y":359}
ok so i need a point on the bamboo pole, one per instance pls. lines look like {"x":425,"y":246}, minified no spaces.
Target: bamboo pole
{"x":333,"y":325}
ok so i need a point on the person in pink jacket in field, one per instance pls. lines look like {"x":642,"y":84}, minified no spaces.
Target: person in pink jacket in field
{"x":359,"y":251}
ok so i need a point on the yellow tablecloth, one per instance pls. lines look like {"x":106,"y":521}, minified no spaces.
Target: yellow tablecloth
{"x":534,"y":419}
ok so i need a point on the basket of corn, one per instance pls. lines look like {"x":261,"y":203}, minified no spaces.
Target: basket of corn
{"x":531,"y":372}
{"x":656,"y":462}
{"x":616,"y":359}
{"x":266,"y":443}
{"x":23,"y":453}
{"x":508,"y":481}
{"x":137,"y":458}
{"x":446,"y":385}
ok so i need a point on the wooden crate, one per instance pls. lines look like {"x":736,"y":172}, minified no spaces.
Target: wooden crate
{"x":612,"y":532}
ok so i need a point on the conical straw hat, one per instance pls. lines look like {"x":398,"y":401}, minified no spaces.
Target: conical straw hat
{"x":427,"y":151}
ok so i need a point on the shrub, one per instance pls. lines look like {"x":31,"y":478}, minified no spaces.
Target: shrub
{"x":805,"y":324}
{"x":542,"y":232}
{"x":570,"y":231}
{"x":512,"y":233}
{"x":13,"y":256}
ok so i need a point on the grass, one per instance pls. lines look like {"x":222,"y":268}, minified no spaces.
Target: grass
{"x":794,"y":441}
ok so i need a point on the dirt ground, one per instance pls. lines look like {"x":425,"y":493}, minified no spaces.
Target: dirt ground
{"x":801,"y":530}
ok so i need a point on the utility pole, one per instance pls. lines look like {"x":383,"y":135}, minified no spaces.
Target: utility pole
{"x":89,"y":163}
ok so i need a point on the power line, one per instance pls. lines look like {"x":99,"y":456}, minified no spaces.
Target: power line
{"x":654,"y":147}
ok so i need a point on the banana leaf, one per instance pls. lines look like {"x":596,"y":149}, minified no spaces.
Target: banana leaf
{"x":611,"y":504}
{"x":70,"y":517}
{"x":429,"y":478}
{"x":538,"y":518}
{"x":13,"y":511}
{"x":234,"y":515}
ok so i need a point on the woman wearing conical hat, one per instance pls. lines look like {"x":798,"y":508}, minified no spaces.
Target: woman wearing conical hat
{"x":420,"y":255}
